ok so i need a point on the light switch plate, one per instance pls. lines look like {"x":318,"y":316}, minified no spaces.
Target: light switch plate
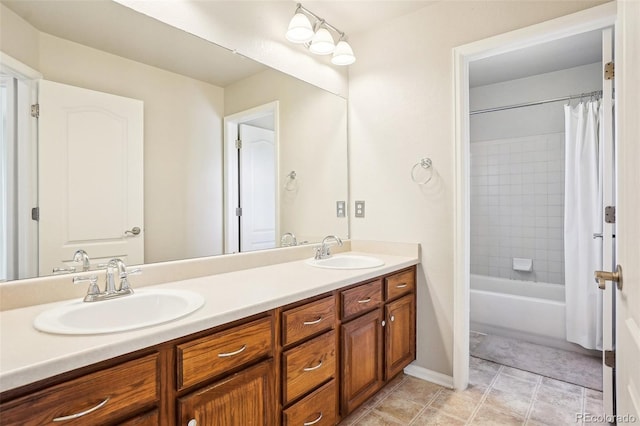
{"x":341,"y":207}
{"x":359,"y":209}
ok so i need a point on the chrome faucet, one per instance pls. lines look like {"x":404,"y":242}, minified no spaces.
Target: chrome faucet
{"x":115,"y":266}
{"x":290,"y":236}
{"x":323,"y":252}
{"x":82,"y":256}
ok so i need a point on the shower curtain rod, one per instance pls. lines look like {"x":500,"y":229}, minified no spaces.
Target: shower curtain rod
{"x":546,"y":101}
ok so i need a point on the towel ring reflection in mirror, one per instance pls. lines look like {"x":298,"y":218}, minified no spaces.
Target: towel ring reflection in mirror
{"x":424,"y":166}
{"x":291,"y":184}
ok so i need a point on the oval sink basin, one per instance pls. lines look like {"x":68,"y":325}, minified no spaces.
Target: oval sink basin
{"x":347,"y":261}
{"x":141,"y":309}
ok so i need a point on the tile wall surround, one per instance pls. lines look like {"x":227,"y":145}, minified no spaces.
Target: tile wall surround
{"x":517,"y":207}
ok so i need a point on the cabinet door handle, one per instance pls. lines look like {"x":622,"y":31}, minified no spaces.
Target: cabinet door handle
{"x":192,"y":422}
{"x":314,"y":421}
{"x":228,"y":354}
{"x":82,"y":413}
{"x":403,"y":285}
{"x":367,"y":300}
{"x":313,"y":368}
{"x":392,"y":319}
{"x":312,"y":322}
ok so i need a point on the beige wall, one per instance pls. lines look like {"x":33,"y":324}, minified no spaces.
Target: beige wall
{"x":18,"y":38}
{"x":400,"y":110}
{"x":313,"y":142}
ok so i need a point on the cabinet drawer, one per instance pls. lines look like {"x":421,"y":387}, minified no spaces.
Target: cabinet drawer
{"x":307,"y":320}
{"x":308,"y":365}
{"x":399,"y":284}
{"x":319,"y":408}
{"x":103,"y":396}
{"x":212,"y":355}
{"x":361,"y":299}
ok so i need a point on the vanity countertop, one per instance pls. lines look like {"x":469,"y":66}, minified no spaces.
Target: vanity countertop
{"x":28,"y":355}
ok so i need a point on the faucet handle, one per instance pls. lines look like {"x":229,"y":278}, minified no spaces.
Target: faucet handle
{"x":93,"y":284}
{"x":136,"y":271}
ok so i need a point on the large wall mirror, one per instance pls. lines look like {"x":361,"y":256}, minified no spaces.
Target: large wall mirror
{"x":137,"y":154}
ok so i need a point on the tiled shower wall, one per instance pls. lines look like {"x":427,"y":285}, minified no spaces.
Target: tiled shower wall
{"x":517,"y":207}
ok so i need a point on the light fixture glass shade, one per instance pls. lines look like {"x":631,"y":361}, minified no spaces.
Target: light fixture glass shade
{"x":343,"y":54}
{"x":322,"y":43}
{"x":300,"y":29}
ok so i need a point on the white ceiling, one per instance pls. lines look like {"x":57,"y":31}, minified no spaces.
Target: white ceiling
{"x":560,"y":54}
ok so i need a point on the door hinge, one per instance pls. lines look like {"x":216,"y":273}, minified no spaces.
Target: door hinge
{"x":238,"y":211}
{"x":238,"y":143}
{"x":610,"y":358}
{"x":35,"y":213}
{"x":35,"y":110}
{"x":610,"y":214}
{"x":609,"y":71}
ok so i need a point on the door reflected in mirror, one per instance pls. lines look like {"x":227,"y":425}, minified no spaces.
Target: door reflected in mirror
{"x":191,"y":90}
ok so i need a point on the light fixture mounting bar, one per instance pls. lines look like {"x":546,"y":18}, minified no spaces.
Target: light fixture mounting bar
{"x":317,"y":18}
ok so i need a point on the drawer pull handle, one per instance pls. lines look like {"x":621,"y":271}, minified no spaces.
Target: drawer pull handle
{"x":82,"y":413}
{"x":313,"y":422}
{"x":228,"y":354}
{"x":403,"y":285}
{"x":312,"y":322}
{"x":313,"y":368}
{"x":367,"y":300}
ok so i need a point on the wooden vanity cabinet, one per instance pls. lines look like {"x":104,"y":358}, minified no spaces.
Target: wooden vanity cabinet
{"x":112,"y":395}
{"x":378,"y":335}
{"x":309,"y":361}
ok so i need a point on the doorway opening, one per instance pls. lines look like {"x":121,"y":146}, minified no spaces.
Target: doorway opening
{"x":251,"y":176}
{"x":489,"y":141}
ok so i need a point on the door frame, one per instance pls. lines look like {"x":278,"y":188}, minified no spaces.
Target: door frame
{"x":595,"y":18}
{"x":230,"y":156}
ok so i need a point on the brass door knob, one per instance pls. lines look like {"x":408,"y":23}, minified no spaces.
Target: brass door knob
{"x":603,"y":276}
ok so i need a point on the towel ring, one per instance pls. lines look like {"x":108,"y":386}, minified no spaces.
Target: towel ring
{"x":290,"y":185}
{"x":425,"y":164}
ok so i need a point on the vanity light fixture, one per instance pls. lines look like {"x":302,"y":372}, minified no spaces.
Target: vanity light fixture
{"x":318,"y":38}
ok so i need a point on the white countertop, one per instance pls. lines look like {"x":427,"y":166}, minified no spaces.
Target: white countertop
{"x":28,"y":355}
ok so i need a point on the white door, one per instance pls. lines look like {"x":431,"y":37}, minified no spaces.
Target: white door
{"x":257,"y":188}
{"x":90,"y":176}
{"x":628,"y":208}
{"x":608,"y":229}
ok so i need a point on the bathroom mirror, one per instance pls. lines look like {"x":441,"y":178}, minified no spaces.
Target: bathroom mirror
{"x":195,"y":94}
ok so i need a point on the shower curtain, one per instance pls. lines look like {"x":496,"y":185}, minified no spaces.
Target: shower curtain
{"x":583,"y":219}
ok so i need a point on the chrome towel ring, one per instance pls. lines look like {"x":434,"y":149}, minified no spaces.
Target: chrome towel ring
{"x":424,"y":164}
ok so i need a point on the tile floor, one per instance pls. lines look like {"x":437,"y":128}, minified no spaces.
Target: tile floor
{"x":497,"y":395}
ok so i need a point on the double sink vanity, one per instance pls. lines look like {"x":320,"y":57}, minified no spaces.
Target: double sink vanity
{"x":289,"y":341}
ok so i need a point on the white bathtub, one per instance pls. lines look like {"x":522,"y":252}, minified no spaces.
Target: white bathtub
{"x":525,"y":310}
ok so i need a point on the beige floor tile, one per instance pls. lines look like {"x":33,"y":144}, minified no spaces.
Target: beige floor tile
{"x":475,"y":392}
{"x":510,"y":402}
{"x":352,"y":419}
{"x":478,"y":364}
{"x":556,"y":396}
{"x":490,"y":416}
{"x":564,"y":386}
{"x":551,"y":414}
{"x":398,"y":407}
{"x":593,"y":406}
{"x":481,"y":378}
{"x":455,"y":404}
{"x":432,"y":417}
{"x":590,"y":393}
{"x":521,"y":374}
{"x":373,"y":418}
{"x":417,"y":390}
{"x":512,"y":384}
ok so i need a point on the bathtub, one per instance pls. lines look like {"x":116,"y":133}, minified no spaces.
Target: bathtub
{"x":525,"y":310}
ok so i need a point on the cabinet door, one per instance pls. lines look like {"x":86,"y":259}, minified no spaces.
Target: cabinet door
{"x":400,"y":344}
{"x":246,"y":398}
{"x":361,"y":359}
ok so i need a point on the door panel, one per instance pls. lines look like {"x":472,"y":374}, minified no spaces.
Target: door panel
{"x":90,"y":175}
{"x":400,"y":345}
{"x":628,"y":225}
{"x":257,"y":188}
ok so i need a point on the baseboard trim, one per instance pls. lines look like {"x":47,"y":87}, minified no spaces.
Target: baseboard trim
{"x":429,"y":375}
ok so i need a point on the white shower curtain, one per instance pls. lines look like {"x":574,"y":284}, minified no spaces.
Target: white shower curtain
{"x":583,"y":219}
